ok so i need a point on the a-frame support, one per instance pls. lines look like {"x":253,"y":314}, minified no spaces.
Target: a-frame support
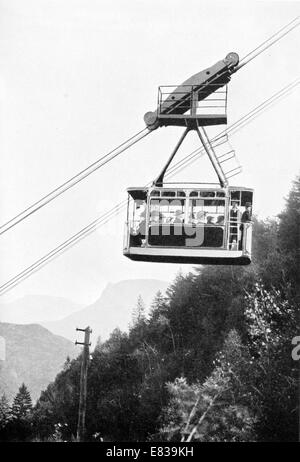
{"x":209,"y":151}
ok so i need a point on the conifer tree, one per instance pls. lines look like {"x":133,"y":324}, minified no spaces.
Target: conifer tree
{"x":22,"y":404}
{"x":289,"y":238}
{"x":138,"y":314}
{"x":5,"y":413}
{"x":158,"y":305}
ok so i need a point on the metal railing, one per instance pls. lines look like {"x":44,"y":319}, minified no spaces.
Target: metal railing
{"x":177,"y":100}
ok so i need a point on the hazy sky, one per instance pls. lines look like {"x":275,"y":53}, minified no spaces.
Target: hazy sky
{"x":76,"y":80}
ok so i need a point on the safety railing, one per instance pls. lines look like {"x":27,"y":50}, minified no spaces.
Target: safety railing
{"x":178,"y":100}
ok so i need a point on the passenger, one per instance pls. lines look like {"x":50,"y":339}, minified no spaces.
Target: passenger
{"x":161,"y":217}
{"x":246,"y":218}
{"x":178,"y":217}
{"x":210,"y":221}
{"x":220,"y":220}
{"x":200,"y":218}
{"x":154,"y":216}
{"x":234,"y":212}
{"x":142,"y":224}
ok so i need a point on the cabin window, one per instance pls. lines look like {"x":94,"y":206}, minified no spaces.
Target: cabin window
{"x":207,"y":211}
{"x":235,"y":196}
{"x":207,"y":193}
{"x":168,"y":194}
{"x":167,"y":211}
{"x":246,"y":197}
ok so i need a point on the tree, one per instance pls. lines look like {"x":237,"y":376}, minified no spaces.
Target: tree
{"x":138,"y":313}
{"x":215,"y":410}
{"x":158,"y":304}
{"x":289,"y":238}
{"x":139,"y":322}
{"x":272,"y":322}
{"x":58,"y":404}
{"x":19,"y":428}
{"x":5,"y":413}
{"x":22,"y":404}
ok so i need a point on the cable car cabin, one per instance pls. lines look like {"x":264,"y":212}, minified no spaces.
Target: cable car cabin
{"x":184,"y":225}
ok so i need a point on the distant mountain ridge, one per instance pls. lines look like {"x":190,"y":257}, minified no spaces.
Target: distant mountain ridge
{"x":36,"y":353}
{"x":33,"y":355}
{"x":113,"y":308}
{"x":36,"y":308}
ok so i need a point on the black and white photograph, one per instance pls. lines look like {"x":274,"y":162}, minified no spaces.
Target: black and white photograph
{"x":149,"y":224}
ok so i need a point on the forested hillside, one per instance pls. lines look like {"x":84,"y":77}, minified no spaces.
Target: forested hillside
{"x":212,"y":361}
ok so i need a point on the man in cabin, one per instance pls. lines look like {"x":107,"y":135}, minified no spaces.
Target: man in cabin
{"x":210,"y":221}
{"x":220,"y":220}
{"x":234,"y":212}
{"x":246,"y":218}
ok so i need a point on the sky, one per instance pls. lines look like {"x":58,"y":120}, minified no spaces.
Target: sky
{"x":77,"y":78}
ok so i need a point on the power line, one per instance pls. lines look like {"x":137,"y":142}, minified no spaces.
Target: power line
{"x":261,"y":48}
{"x":193,"y":156}
{"x":107,"y":216}
{"x":74,"y":180}
{"x":131,"y":141}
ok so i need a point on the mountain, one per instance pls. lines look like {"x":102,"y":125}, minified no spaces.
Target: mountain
{"x":113,"y":309}
{"x":36,"y":308}
{"x":30,"y":354}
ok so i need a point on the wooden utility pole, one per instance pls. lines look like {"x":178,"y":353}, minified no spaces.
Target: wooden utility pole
{"x":83,"y":382}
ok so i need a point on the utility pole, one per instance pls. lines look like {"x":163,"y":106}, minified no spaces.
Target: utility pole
{"x":83,"y":382}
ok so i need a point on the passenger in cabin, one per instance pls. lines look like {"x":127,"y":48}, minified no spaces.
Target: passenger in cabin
{"x":210,"y":221}
{"x":178,"y":217}
{"x":200,"y":218}
{"x":141,"y":229}
{"x":162,"y":218}
{"x":234,"y":212}
{"x":246,"y":218}
{"x":154,"y":215}
{"x":220,"y":220}
{"x":142,"y":224}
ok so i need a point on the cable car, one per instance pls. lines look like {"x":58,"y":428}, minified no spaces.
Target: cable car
{"x":198,"y":224}
{"x":188,"y":225}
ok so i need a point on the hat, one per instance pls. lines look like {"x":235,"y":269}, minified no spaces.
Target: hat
{"x":248,"y":204}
